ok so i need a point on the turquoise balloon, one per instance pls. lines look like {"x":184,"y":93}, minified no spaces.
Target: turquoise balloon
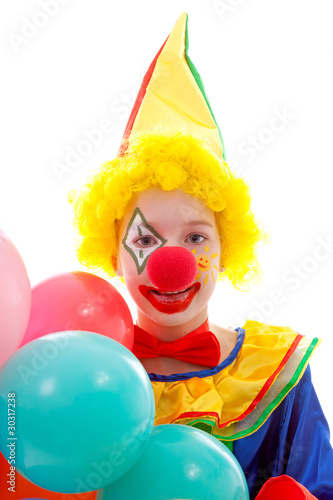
{"x":84,"y":411}
{"x":181,"y":462}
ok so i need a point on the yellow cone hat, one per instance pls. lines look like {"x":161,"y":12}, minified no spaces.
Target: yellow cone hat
{"x":172,"y":93}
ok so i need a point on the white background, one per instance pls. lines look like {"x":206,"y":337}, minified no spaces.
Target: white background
{"x":257,"y":58}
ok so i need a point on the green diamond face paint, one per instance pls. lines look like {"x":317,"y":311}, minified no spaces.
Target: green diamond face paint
{"x":139,"y":229}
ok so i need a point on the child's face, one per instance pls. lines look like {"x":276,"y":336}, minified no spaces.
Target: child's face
{"x":157,"y":218}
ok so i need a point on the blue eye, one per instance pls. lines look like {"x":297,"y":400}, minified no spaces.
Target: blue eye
{"x":196,"y":238}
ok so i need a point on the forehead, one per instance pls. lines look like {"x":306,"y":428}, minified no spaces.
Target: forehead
{"x":157,"y":204}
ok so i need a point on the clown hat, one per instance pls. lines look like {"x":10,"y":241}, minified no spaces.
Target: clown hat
{"x":172,"y":94}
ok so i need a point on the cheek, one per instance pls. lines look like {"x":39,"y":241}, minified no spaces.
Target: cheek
{"x":128,"y":266}
{"x":208,"y":266}
{"x":133,"y":279}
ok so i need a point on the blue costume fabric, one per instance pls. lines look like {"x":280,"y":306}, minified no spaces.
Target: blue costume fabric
{"x":295,"y":440}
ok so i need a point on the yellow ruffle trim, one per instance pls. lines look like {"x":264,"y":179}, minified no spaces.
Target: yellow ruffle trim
{"x":268,"y":353}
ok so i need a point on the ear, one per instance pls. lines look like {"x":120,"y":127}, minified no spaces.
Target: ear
{"x":119,"y":272}
{"x":116,"y":264}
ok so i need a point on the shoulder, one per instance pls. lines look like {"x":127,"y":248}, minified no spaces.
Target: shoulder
{"x":278,"y":336}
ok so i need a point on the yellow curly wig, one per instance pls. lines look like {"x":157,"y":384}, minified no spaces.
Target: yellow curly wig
{"x":169,"y":161}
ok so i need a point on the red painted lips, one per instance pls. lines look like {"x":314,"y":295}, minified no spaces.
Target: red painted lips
{"x":167,"y":302}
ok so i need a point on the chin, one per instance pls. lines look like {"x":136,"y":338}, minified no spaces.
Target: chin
{"x":174,"y":319}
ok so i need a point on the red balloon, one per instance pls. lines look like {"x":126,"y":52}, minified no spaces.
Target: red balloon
{"x":79,"y":301}
{"x":26,"y":489}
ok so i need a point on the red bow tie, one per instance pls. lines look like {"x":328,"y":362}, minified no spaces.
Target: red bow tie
{"x":199,"y":347}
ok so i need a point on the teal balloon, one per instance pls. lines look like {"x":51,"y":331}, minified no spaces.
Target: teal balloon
{"x":84,"y":411}
{"x":181,"y":462}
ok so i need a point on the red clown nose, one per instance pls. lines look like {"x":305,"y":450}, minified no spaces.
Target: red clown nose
{"x":172,"y":268}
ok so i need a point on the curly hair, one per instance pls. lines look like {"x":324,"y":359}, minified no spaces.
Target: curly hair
{"x":169,"y":161}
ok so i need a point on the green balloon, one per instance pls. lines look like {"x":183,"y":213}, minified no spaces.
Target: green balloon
{"x":181,"y":462}
{"x":84,"y":411}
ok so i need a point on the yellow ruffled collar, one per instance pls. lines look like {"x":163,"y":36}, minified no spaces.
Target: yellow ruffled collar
{"x":238,"y":395}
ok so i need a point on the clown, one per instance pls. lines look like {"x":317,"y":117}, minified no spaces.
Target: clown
{"x":169,"y":218}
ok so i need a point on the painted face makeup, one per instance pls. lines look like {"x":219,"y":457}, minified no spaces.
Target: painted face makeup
{"x":156,"y":218}
{"x":138,"y":234}
{"x":205,"y":264}
{"x":170,"y":302}
{"x":139,"y":230}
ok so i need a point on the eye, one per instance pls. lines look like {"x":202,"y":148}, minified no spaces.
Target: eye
{"x":195,"y":238}
{"x":145,"y":241}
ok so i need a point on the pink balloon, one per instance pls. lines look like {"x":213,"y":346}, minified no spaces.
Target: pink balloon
{"x":15,"y":298}
{"x":79,"y":301}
